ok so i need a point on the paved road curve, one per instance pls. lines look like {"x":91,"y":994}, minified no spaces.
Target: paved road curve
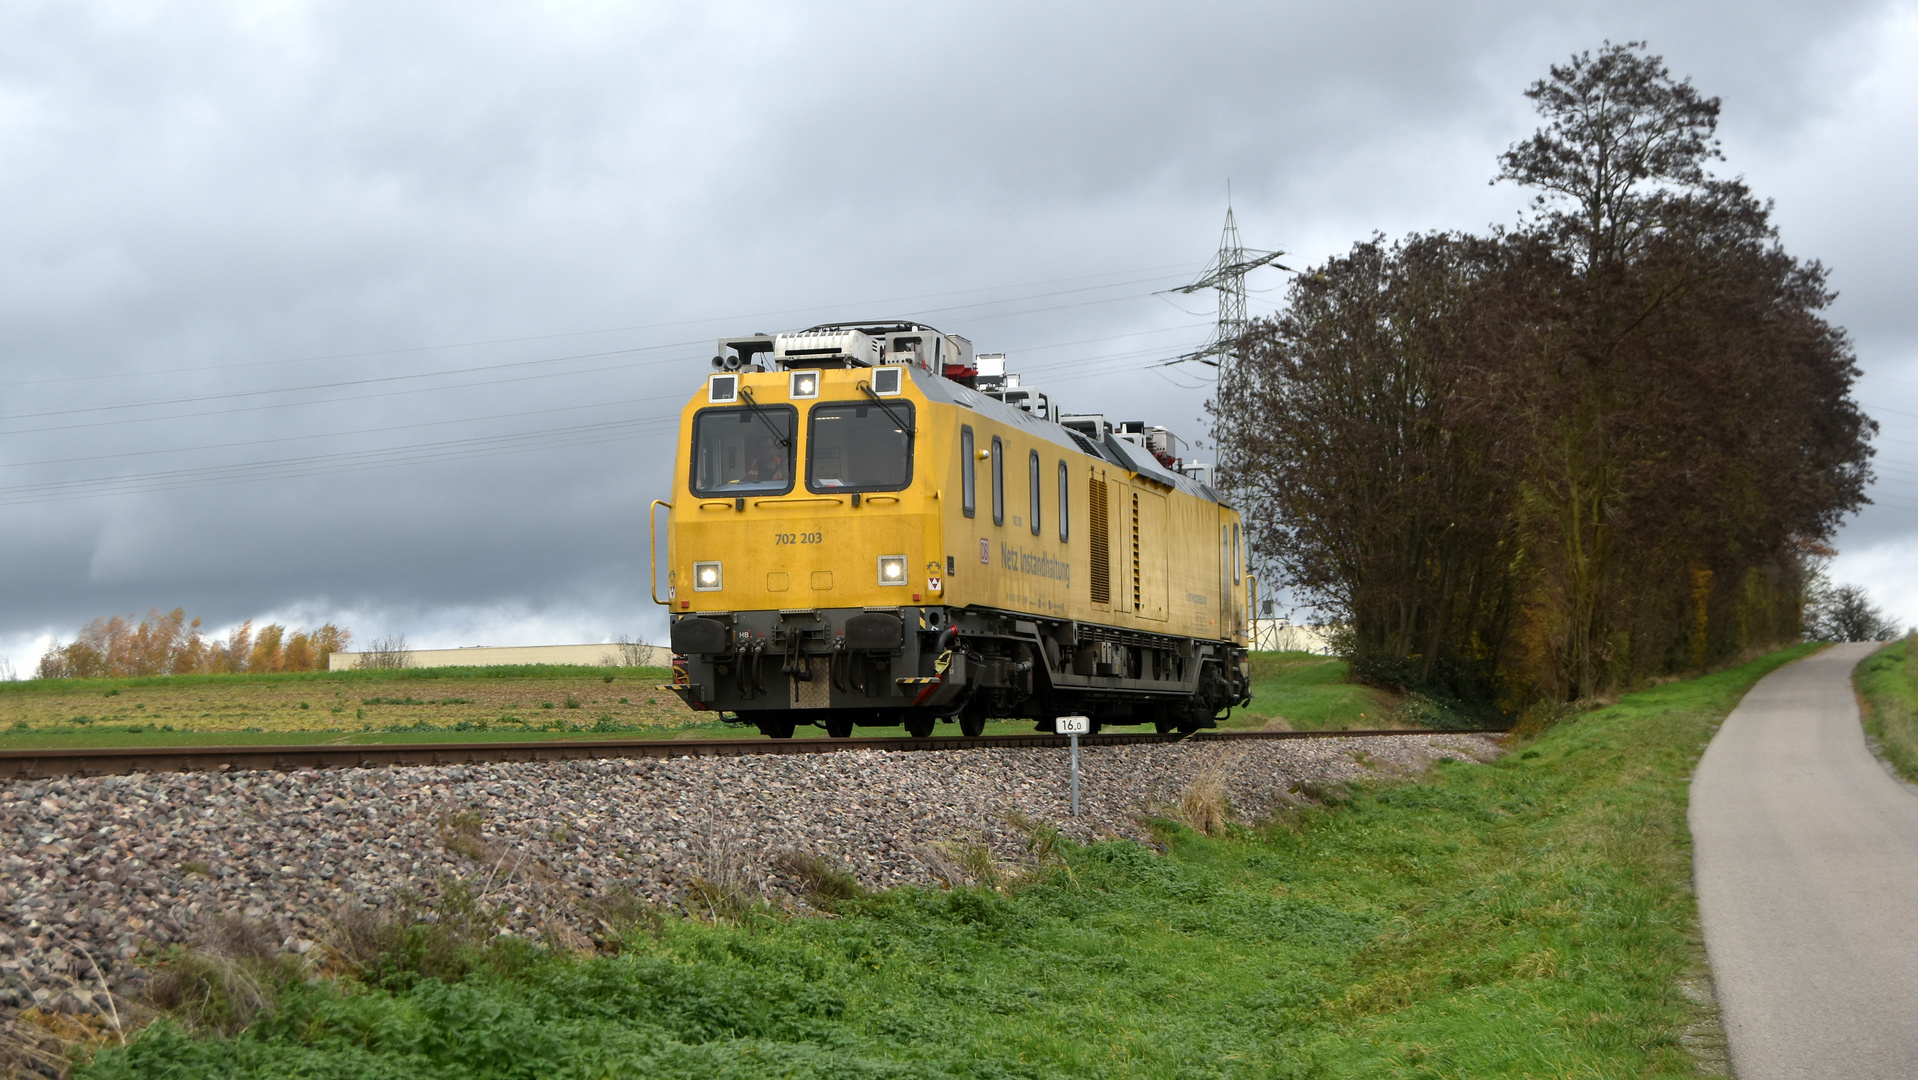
{"x":1806,"y":861}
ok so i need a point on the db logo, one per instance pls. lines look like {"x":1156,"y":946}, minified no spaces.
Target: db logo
{"x":985,"y":550}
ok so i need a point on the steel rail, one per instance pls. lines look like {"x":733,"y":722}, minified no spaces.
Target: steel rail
{"x":41,"y":764}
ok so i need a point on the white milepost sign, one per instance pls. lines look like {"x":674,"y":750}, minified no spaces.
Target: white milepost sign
{"x":1074,"y":726}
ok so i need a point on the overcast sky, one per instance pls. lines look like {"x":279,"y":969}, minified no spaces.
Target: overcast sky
{"x":383,"y":314}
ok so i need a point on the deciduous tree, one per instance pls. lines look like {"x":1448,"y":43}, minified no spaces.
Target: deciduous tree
{"x":170,"y":644}
{"x":1569,"y":455}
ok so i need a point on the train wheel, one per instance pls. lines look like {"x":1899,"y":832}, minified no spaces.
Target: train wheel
{"x":777,"y":726}
{"x":972,"y":726}
{"x":920,"y":727}
{"x":839,"y":727}
{"x":1166,"y":727}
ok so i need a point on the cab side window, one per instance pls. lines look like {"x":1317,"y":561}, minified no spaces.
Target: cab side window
{"x":1032,"y":476}
{"x":1065,"y":508}
{"x":998,"y":481}
{"x":968,"y":473}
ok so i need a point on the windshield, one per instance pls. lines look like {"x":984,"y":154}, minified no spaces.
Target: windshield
{"x":860,"y":447}
{"x":739,"y":451}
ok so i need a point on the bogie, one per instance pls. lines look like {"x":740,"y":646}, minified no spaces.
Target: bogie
{"x":780,"y":670}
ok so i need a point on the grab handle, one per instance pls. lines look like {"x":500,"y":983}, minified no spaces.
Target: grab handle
{"x":652,"y":549}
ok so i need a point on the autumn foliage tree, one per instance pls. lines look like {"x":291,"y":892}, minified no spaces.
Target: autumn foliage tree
{"x":170,"y":644}
{"x":1571,"y":455}
{"x":1356,"y":435}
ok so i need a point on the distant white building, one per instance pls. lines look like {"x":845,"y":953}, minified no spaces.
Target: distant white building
{"x":1284,"y":635}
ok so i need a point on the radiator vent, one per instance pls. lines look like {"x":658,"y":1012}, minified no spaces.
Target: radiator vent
{"x":1137,"y":599}
{"x":1101,"y":542}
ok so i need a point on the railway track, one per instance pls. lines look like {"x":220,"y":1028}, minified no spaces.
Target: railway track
{"x":106,"y":761}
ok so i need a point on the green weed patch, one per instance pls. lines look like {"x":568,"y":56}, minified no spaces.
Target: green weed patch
{"x":1888,"y":686}
{"x":1531,"y":917}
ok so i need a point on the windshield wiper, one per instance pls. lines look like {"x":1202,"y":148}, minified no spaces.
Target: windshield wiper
{"x":866,"y":388}
{"x":760,"y":411}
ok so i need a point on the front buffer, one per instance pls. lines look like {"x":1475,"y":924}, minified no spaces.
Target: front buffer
{"x":834,"y":667}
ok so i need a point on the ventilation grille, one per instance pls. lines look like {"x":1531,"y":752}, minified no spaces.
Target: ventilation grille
{"x":1136,"y":598}
{"x":1101,"y":543}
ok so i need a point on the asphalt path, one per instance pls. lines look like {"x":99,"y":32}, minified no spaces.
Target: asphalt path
{"x":1805,"y":857}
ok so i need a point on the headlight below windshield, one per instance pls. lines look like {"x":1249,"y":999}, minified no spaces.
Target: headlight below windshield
{"x":707,"y":577}
{"x":892,"y":569}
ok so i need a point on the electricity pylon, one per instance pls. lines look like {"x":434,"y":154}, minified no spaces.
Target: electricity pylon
{"x":1226,"y":273}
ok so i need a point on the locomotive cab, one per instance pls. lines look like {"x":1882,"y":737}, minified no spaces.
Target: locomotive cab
{"x":857,"y":537}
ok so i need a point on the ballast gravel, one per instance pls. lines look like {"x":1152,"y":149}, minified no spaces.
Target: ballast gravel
{"x":96,"y":870}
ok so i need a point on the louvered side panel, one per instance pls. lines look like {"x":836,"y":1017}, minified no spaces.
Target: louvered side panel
{"x":1100,"y":534}
{"x":1136,"y":583}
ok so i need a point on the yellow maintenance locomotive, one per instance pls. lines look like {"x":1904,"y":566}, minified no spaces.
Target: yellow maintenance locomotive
{"x":872,"y":526}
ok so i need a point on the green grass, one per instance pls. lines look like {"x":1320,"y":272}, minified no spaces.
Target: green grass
{"x":1309,"y":693}
{"x":1888,"y":684}
{"x":376,"y":675}
{"x":110,"y":736}
{"x":448,"y":703}
{"x":508,"y":703}
{"x":1527,"y":918}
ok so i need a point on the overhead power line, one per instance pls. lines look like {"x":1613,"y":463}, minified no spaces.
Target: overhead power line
{"x":354,"y":397}
{"x":281,"y":469}
{"x":717,"y":319}
{"x":1225,"y":274}
{"x":146,"y":453}
{"x":343,"y":391}
{"x":336,"y":384}
{"x":343,"y":461}
{"x":481,"y":368}
{"x":278,"y":469}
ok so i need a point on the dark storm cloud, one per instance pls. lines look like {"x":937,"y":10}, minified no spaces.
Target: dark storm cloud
{"x":289,"y":202}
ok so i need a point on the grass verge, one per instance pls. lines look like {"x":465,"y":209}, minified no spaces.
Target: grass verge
{"x":1888,"y":687}
{"x":495,"y":704}
{"x":1307,"y":692}
{"x":338,"y":706}
{"x":1531,"y":917}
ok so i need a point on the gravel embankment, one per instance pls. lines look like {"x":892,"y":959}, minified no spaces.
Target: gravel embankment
{"x":113,"y":864}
